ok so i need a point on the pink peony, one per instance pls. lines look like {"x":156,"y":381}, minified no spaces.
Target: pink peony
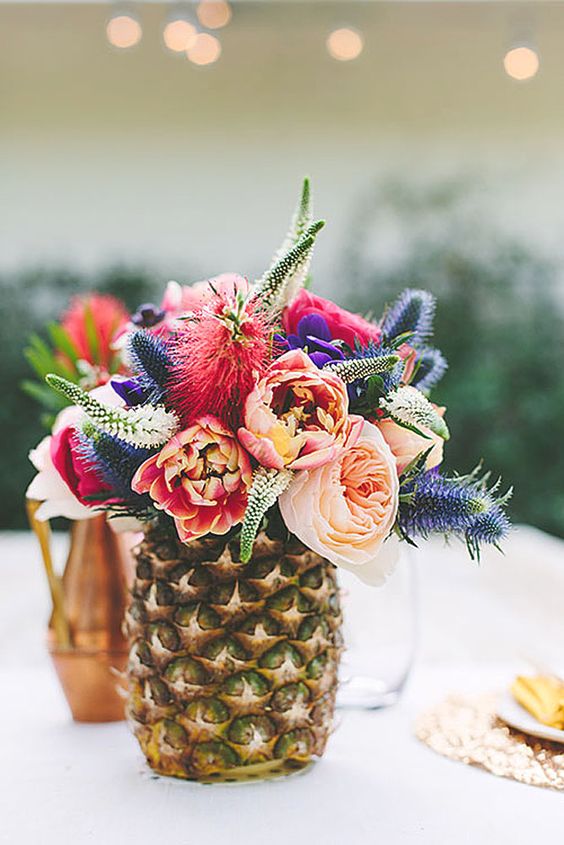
{"x":406,"y":444}
{"x":200,"y":478}
{"x":343,"y":325}
{"x":297,"y":415}
{"x":345,"y":509}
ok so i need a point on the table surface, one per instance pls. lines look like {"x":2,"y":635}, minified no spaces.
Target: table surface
{"x":62,"y":782}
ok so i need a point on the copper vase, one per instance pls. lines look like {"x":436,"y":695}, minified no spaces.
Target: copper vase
{"x":85,"y":638}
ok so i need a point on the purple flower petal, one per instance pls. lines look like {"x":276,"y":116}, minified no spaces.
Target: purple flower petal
{"x":317,"y":345}
{"x":294,"y":341}
{"x":129,"y":390}
{"x":314,"y":325}
{"x":320,"y":358}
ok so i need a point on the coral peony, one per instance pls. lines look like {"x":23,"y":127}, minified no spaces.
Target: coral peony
{"x":406,"y":444}
{"x":342,"y":324}
{"x":297,"y":415}
{"x":200,"y":478}
{"x":218,"y":353}
{"x":345,"y":509}
{"x":92,"y":322}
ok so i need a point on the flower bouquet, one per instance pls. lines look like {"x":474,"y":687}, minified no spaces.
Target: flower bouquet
{"x":265,"y":438}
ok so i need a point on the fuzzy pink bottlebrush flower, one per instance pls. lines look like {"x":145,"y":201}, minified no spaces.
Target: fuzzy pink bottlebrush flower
{"x":200,"y":477}
{"x":107,"y":315}
{"x":297,"y":416}
{"x":219,"y":351}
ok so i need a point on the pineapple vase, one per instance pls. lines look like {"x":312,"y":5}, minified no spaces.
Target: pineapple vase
{"x":233,"y":667}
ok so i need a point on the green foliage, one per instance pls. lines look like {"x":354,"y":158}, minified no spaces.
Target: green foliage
{"x":500,"y":324}
{"x":28,"y":302}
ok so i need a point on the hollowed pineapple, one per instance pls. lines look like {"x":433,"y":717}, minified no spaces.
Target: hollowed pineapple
{"x":233,"y":667}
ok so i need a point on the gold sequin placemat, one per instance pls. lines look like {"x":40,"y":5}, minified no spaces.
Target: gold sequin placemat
{"x":467,"y":729}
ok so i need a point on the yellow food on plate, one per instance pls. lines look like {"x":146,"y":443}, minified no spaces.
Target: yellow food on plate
{"x":543,"y":697}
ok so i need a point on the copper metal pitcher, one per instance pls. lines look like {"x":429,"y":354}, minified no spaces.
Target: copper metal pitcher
{"x":85,"y":638}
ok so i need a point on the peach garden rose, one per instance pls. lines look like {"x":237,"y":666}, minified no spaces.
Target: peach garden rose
{"x":406,"y":444}
{"x":345,"y":509}
{"x":297,"y":416}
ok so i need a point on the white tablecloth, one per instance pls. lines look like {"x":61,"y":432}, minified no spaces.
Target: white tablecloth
{"x":68,"y":783}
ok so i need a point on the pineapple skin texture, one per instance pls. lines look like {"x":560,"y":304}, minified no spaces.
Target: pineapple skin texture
{"x":231,"y":665}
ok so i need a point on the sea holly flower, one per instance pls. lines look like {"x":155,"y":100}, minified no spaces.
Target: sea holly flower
{"x":296,"y":417}
{"x":346,"y":509}
{"x":200,"y":478}
{"x":342,"y":324}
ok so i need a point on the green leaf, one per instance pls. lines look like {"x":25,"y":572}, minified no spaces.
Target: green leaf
{"x":91,"y":334}
{"x":63,"y":341}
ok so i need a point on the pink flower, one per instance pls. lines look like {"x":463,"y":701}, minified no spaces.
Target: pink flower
{"x":200,"y":478}
{"x":219,"y":353}
{"x":343,"y":325}
{"x":297,"y":415}
{"x":106,"y":316}
{"x":179,"y":299}
{"x":346,"y":509}
{"x":63,"y":481}
{"x":406,"y":444}
{"x":77,"y":473}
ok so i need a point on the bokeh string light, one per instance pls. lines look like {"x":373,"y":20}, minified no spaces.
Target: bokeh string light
{"x":214,"y":14}
{"x":123,"y":31}
{"x":205,"y":50}
{"x":179,"y":34}
{"x":521,"y":63}
{"x":345,"y":44}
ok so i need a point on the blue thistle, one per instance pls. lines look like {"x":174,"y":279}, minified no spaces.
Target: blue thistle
{"x":431,"y":367}
{"x":151,"y":361}
{"x":413,"y":313}
{"x":113,"y":460}
{"x":432,"y":503}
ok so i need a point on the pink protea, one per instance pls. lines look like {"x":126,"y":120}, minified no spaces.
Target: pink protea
{"x":219,"y":352}
{"x":200,"y":478}
{"x":106,"y":315}
{"x":297,"y":416}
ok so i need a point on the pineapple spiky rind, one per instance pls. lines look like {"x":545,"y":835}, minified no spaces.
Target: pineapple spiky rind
{"x":233,"y":667}
{"x":145,"y":426}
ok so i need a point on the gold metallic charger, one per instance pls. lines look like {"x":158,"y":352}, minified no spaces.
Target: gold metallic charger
{"x":467,"y":729}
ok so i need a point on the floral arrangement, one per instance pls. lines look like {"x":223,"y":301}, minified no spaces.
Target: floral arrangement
{"x":249,"y":406}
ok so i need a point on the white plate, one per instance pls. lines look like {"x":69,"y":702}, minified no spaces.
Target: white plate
{"x":517,"y":717}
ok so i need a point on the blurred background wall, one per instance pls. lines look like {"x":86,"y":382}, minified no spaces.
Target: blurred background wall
{"x":431,"y":164}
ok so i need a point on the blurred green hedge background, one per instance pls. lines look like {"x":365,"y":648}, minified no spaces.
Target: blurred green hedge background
{"x":500,"y":323}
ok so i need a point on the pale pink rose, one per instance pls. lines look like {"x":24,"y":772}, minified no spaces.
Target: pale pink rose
{"x":297,"y":416}
{"x":345,"y":510}
{"x":406,"y":444}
